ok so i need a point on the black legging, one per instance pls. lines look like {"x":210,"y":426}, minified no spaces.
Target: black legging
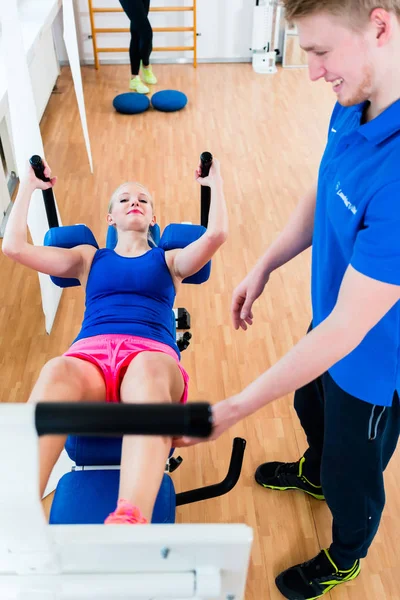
{"x":141,"y":32}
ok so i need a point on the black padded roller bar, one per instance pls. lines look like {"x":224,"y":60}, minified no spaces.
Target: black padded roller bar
{"x":89,"y":418}
{"x":48,"y":196}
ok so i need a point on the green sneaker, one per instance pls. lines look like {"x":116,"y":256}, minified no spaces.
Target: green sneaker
{"x":314,"y":578}
{"x":148,"y":75}
{"x":287,"y":476}
{"x":137,"y":85}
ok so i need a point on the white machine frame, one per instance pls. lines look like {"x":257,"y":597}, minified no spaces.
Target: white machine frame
{"x":39,"y":561}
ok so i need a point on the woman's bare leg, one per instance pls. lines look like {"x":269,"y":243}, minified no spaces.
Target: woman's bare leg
{"x":151,"y":377}
{"x":64,"y":379}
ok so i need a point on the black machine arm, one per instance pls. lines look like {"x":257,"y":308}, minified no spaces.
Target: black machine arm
{"x":205,"y":194}
{"x":48,"y":196}
{"x":225,"y":486}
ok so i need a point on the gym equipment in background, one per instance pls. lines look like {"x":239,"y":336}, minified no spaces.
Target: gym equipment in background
{"x":184,"y":8}
{"x":265,"y":37}
{"x":131,"y":103}
{"x":169,"y":100}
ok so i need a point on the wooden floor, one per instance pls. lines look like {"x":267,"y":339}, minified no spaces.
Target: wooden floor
{"x":269,"y":133}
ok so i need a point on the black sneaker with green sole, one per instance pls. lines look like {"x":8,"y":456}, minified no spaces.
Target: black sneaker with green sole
{"x":287,"y":476}
{"x":314,"y":578}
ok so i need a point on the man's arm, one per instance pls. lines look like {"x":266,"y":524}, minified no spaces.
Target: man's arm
{"x":295,"y":237}
{"x":361,"y":304}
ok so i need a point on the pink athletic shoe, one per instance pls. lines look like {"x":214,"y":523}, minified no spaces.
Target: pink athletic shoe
{"x":126,"y":514}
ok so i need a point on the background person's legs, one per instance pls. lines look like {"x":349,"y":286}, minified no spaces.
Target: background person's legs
{"x":141,"y":33}
{"x":150,"y":377}
{"x":64,"y":379}
{"x":146,"y":36}
{"x":359,"y":442}
{"x":134,"y":52}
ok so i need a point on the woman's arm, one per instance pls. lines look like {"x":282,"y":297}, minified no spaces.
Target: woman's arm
{"x":59,"y":262}
{"x":189,"y":260}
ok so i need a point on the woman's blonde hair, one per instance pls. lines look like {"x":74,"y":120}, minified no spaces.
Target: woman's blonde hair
{"x":144,"y":190}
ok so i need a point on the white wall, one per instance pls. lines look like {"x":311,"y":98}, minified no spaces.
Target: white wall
{"x":225,"y":27}
{"x":27,"y":53}
{"x":44,"y":70}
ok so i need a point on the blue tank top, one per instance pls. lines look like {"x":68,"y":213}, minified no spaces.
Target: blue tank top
{"x":130,"y":295}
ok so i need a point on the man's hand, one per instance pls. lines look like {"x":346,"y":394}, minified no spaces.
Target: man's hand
{"x":244,"y":296}
{"x":224,"y":415}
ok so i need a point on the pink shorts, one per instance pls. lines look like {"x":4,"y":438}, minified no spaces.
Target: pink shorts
{"x":113,"y":353}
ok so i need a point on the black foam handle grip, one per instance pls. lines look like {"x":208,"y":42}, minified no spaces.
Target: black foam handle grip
{"x":205,"y":194}
{"x":205,"y":162}
{"x":38,"y":166}
{"x":48,"y":197}
{"x":194,"y":419}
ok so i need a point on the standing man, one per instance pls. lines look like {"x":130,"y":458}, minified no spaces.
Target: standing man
{"x":346,"y":370}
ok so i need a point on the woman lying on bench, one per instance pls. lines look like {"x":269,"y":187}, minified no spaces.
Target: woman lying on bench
{"x":126,"y":350}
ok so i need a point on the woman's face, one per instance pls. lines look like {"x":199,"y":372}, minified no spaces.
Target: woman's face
{"x":131,"y":208}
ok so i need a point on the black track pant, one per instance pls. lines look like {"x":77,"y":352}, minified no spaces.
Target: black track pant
{"x":350,"y":445}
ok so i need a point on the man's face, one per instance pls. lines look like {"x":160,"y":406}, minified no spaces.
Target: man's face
{"x":342,"y":56}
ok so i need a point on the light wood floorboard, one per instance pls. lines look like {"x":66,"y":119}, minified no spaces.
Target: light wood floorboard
{"x":269,"y":133}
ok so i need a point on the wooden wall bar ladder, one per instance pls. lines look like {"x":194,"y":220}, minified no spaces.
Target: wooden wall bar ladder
{"x":95,"y":30}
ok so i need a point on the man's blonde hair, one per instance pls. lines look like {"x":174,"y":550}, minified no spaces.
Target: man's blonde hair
{"x":358,"y":10}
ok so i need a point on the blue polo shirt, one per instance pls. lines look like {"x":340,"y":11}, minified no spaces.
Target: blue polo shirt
{"x":357,"y":222}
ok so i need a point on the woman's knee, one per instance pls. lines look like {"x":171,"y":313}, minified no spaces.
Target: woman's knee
{"x":57,"y":369}
{"x":78,"y":380}
{"x":147,"y":31}
{"x":152,"y":377}
{"x":140,"y":24}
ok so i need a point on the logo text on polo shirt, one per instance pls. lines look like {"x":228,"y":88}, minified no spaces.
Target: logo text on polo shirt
{"x":345,"y":199}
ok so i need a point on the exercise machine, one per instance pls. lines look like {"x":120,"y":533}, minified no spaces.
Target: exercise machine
{"x":98,"y":454}
{"x":75,"y":556}
{"x":41,"y":561}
